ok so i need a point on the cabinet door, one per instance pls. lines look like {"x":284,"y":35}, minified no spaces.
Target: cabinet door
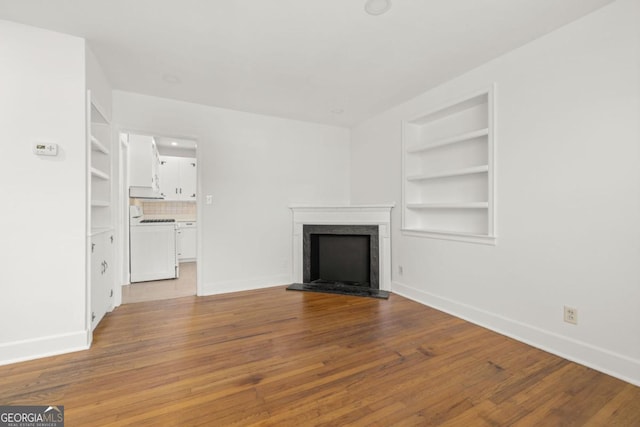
{"x":170,"y":177}
{"x":155,"y":165}
{"x":141,"y":160}
{"x":179,"y":243}
{"x":187,"y":243}
{"x":101,"y":276}
{"x":97,"y":249}
{"x":188,"y":178}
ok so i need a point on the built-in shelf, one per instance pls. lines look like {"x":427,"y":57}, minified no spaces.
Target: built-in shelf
{"x":451,"y":235}
{"x":96,"y":145}
{"x":451,"y":173}
{"x":99,"y":174}
{"x":450,"y":140}
{"x":100,"y":241}
{"x":448,"y":171}
{"x":461,"y":205}
{"x":99,"y":230}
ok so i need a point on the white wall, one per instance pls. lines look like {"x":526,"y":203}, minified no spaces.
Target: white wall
{"x":42,"y":308}
{"x":254,"y":166}
{"x":98,"y":84}
{"x":568,"y":210}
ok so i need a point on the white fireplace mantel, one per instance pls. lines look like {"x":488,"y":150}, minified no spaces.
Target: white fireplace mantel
{"x":379,"y":215}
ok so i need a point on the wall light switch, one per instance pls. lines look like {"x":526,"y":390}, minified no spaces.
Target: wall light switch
{"x":209,"y":199}
{"x":42,"y":149}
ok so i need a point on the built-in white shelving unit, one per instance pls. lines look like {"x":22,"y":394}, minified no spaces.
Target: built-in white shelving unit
{"x":99,"y":136}
{"x":448,"y":171}
{"x":100,"y":210}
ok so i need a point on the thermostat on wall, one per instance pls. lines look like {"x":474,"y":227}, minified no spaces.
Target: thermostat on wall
{"x":42,"y":149}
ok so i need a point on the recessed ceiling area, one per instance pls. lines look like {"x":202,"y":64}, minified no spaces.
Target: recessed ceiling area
{"x":321,"y":61}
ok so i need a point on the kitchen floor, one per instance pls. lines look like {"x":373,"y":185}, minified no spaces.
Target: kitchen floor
{"x":184,"y":286}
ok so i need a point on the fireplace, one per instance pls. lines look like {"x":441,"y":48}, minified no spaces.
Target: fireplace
{"x":341,"y":254}
{"x":342,"y":249}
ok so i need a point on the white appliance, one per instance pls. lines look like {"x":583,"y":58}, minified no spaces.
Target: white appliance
{"x":153,"y":250}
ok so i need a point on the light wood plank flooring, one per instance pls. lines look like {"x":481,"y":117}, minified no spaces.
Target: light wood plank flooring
{"x":273,"y":357}
{"x":184,"y":285}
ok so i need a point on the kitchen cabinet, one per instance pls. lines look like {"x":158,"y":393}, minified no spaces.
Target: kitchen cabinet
{"x":178,"y":178}
{"x":187,"y":243}
{"x":144,"y":164}
{"x":102,"y":261}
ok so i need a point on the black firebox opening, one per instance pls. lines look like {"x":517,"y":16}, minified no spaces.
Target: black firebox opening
{"x":340,"y":258}
{"x":341,"y":255}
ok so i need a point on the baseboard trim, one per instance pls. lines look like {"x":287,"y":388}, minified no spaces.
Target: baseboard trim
{"x":600,"y":359}
{"x":20,"y":351}
{"x":224,"y":287}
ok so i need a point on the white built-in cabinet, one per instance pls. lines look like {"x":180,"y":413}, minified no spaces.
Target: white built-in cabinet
{"x":178,"y":178}
{"x":186,"y":241}
{"x":100,"y":198}
{"x":448,"y":171}
{"x":144,"y":161}
{"x":102,"y":277}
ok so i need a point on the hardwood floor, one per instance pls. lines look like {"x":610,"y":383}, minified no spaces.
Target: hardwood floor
{"x":285,"y":358}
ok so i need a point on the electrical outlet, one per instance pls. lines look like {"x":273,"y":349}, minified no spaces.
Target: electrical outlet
{"x":571,"y":315}
{"x":400,"y":270}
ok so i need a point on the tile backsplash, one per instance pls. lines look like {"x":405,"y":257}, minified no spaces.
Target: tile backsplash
{"x":177,"y":210}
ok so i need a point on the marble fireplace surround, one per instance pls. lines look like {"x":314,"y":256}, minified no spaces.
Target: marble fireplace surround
{"x":379,"y":215}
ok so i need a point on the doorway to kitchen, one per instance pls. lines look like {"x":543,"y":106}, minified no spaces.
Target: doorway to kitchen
{"x":163,"y":223}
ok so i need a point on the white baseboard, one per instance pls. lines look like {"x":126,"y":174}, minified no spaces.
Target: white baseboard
{"x":224,"y":287}
{"x":20,"y":351}
{"x":600,"y":359}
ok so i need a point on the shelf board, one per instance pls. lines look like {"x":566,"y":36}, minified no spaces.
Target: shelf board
{"x":447,"y":141}
{"x":99,"y":174}
{"x":96,"y":145}
{"x":459,"y":236}
{"x":100,"y":203}
{"x":97,"y":117}
{"x":446,"y":174}
{"x":98,"y":230}
{"x":453,"y":108}
{"x":452,"y":205}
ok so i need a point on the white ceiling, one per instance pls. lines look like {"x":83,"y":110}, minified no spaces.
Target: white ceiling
{"x":323,"y":61}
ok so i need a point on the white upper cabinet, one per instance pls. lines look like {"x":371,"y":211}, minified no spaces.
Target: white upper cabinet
{"x":178,"y":178}
{"x":144,"y":179}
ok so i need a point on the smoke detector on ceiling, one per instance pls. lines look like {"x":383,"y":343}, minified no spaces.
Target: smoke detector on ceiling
{"x":171,"y":79}
{"x":377,"y":7}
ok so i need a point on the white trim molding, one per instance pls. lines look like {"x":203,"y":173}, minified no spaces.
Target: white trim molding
{"x":36,"y":348}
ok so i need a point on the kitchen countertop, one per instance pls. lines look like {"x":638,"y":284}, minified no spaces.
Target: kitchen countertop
{"x":177,"y":217}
